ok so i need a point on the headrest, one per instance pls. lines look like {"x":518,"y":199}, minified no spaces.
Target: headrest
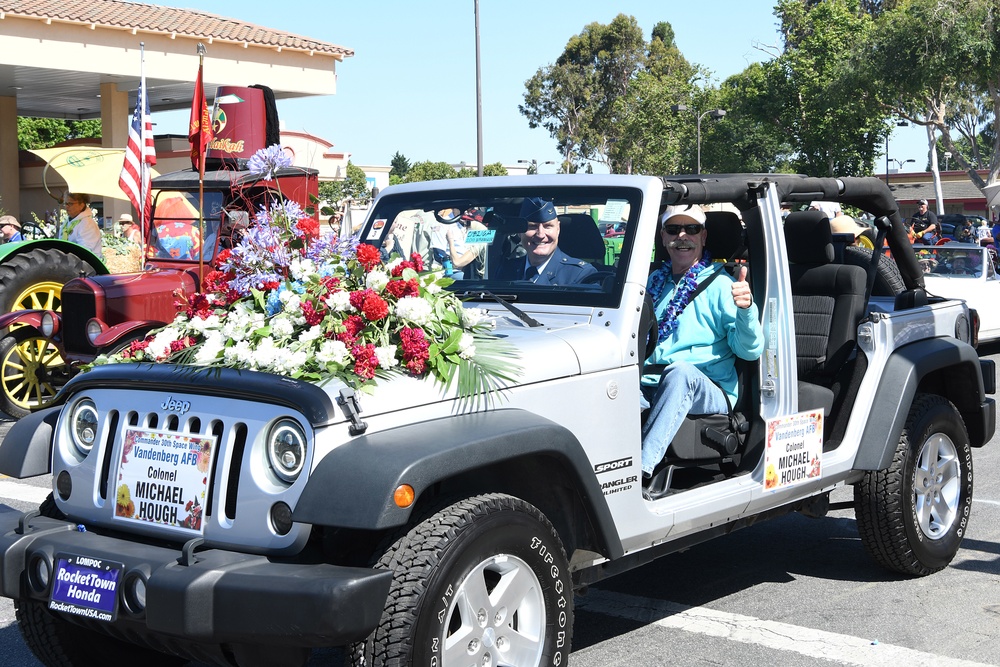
{"x":808,"y":237}
{"x":725,"y":234}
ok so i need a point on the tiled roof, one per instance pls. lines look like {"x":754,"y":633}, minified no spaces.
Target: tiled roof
{"x":159,"y":19}
{"x":951,"y":190}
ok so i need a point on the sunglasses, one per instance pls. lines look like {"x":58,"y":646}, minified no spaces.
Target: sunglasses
{"x":690,"y":230}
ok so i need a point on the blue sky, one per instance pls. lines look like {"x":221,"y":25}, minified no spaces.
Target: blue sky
{"x":411,"y":85}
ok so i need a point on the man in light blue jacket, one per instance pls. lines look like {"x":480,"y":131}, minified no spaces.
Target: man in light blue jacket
{"x":699,"y":338}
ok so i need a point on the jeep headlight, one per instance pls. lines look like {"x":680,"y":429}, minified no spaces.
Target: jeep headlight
{"x":83,"y":426}
{"x":286,"y":449}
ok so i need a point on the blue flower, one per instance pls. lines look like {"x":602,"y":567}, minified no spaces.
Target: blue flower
{"x":268,"y":160}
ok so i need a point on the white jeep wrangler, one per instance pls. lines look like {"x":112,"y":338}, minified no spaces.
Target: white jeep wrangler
{"x":418,"y":532}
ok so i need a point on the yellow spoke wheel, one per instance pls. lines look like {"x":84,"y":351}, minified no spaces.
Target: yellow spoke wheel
{"x":31,"y":372}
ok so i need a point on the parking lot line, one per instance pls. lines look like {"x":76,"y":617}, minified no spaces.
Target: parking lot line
{"x":843,"y":649}
{"x":23,"y":492}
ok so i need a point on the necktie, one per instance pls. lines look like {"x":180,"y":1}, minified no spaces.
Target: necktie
{"x":530,"y":273}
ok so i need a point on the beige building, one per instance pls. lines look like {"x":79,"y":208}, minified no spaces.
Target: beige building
{"x":80,"y":61}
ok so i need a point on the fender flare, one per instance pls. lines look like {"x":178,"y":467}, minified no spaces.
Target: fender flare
{"x":352,"y":487}
{"x":898,"y":385}
{"x":26,"y":450}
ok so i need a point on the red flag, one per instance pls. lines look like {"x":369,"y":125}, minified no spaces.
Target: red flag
{"x":200,"y":127}
{"x":140,"y":152}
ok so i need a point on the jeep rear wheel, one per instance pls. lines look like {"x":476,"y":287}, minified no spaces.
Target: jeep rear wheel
{"x":912,"y":516}
{"x":484,"y":581}
{"x":31,"y":372}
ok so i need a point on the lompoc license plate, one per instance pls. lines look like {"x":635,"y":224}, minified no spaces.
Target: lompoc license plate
{"x":86,"y":587}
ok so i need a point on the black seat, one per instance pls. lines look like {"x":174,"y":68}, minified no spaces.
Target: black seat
{"x":828,"y":301}
{"x":579,"y":237}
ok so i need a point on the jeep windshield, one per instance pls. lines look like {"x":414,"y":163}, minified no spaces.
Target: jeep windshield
{"x":527,"y":244}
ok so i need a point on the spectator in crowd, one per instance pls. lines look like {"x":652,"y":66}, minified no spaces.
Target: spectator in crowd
{"x":845,"y":224}
{"x":81,"y":228}
{"x":10,"y":228}
{"x":925,"y":225}
{"x":130,"y":230}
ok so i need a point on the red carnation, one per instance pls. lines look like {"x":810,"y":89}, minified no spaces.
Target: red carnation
{"x":313,"y":317}
{"x":198,"y":306}
{"x":365,"y":361}
{"x":368,"y":256}
{"x":418,"y":261}
{"x":375,"y":308}
{"x":415,"y":348}
{"x":401,"y":288}
{"x":309,"y":229}
{"x":222,"y":257}
{"x":358,"y":298}
{"x":353,"y":325}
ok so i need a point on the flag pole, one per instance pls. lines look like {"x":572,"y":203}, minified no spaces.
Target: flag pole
{"x":144,"y":183}
{"x":201,"y":178}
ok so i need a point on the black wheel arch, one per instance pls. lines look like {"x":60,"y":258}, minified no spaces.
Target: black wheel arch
{"x":27,"y":447}
{"x":507,"y":450}
{"x":943,"y":366}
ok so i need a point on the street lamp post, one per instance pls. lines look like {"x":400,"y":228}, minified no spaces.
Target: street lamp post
{"x":900,"y":163}
{"x":716,"y":114}
{"x":533,"y":164}
{"x":899,"y":123}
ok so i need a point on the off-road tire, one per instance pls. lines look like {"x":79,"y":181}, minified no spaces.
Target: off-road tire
{"x":888,"y":280}
{"x":31,"y":372}
{"x":34,"y":279}
{"x":57,"y":642}
{"x":912,"y":515}
{"x":438,"y":611}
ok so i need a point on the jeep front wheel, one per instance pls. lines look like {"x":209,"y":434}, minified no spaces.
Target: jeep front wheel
{"x":912,"y":516}
{"x":484,"y":581}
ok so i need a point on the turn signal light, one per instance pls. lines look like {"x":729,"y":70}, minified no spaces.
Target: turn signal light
{"x":404,"y":495}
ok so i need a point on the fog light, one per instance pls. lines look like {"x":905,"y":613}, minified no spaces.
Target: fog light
{"x":281,"y":518}
{"x":39,"y":573}
{"x":64,"y":485}
{"x":134,"y":596}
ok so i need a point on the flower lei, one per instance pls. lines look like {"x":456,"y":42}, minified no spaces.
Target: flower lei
{"x":682,"y":294}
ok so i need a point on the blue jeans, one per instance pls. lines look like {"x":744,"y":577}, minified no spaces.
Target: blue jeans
{"x":683,"y":390}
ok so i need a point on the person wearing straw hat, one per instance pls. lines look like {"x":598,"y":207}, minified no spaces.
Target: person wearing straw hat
{"x":10,"y":229}
{"x":845,"y":224}
{"x":130,"y":230}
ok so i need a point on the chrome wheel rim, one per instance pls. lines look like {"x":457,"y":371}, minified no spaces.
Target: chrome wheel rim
{"x":937,"y":487}
{"x":497,"y":616}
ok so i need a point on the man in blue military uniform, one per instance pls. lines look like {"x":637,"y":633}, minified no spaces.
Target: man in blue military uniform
{"x":544,"y":263}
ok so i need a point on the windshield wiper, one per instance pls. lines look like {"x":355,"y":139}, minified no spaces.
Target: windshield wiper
{"x":520,"y":314}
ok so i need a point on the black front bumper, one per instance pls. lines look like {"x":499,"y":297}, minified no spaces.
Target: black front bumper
{"x":220,"y":597}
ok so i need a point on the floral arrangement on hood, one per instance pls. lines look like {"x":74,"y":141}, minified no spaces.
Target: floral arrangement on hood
{"x":285,"y":301}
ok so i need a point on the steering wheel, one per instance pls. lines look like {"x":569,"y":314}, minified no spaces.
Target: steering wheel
{"x":32,"y":230}
{"x":599,"y":277}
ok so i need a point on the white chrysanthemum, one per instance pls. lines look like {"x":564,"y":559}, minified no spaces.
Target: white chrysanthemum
{"x":433,"y":288}
{"x":265,"y":353}
{"x":239,"y":353}
{"x":282,"y":327}
{"x":211,"y":348}
{"x":202,"y":325}
{"x":376,"y":280}
{"x":311,"y":334}
{"x":332,"y":351}
{"x":473,"y":316}
{"x":301,"y":269}
{"x":467,"y":346}
{"x":159,"y":347}
{"x":293,"y":302}
{"x":287,"y":363}
{"x":339,"y":301}
{"x":414,"y":309}
{"x":386,"y":356}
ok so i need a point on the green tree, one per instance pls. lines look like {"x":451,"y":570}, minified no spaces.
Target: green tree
{"x":354,"y":186}
{"x":48,"y":132}
{"x":939,"y":63}
{"x":494,"y":169}
{"x":400,"y":166}
{"x":829,"y":113}
{"x":430,"y":171}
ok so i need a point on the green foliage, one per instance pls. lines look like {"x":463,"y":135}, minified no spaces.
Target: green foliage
{"x":355,"y":186}
{"x":494,"y":169}
{"x":400,"y":166}
{"x":48,"y":132}
{"x":430,"y":171}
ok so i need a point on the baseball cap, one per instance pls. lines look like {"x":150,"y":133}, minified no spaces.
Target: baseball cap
{"x":693,"y":212}
{"x":923,"y":202}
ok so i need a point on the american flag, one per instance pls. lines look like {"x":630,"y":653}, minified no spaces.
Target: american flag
{"x":139,"y":153}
